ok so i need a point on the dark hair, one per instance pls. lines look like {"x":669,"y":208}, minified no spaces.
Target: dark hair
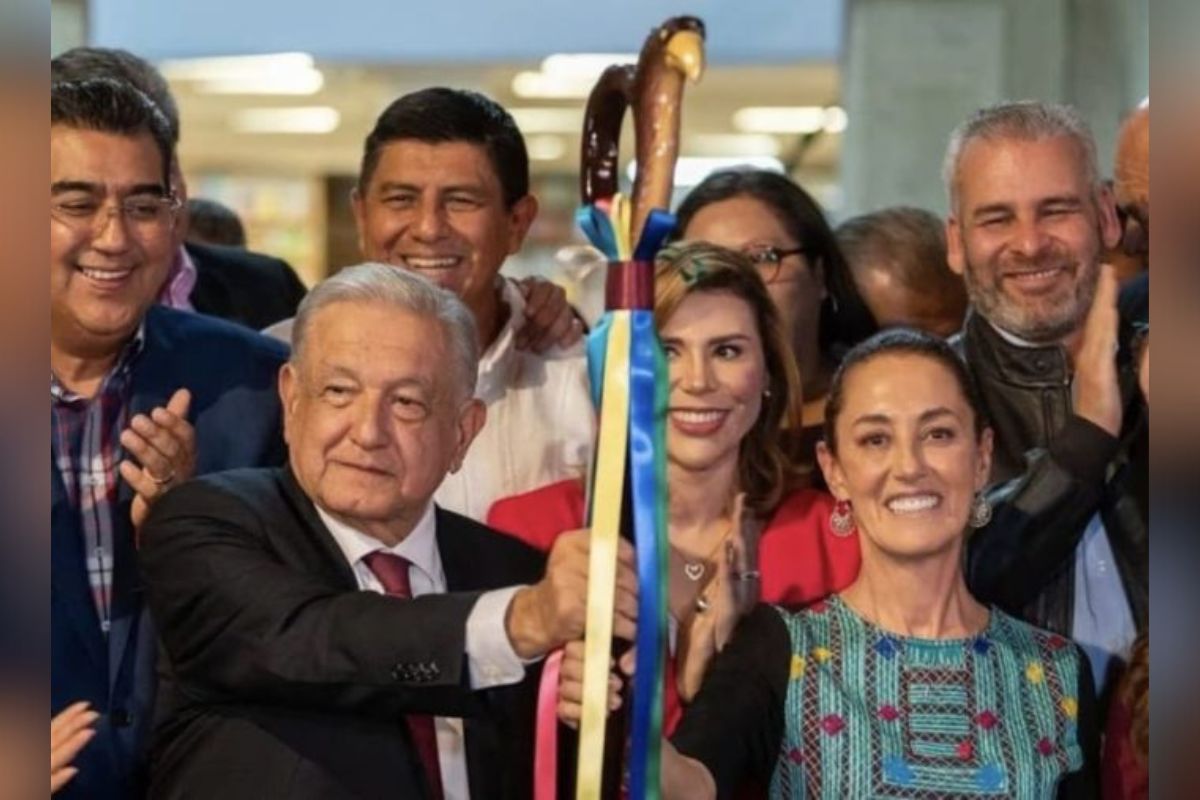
{"x":109,"y":106}
{"x":439,"y":115}
{"x":900,"y":341}
{"x":765,"y":473}
{"x":85,"y":63}
{"x":1134,"y":691}
{"x":214,"y":223}
{"x":845,"y":318}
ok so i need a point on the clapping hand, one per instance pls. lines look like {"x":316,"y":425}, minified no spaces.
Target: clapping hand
{"x":70,"y":730}
{"x":163,"y":446}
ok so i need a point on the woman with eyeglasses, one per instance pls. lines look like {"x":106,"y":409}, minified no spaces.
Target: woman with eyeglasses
{"x":901,"y":684}
{"x":781,"y":228}
{"x":740,"y":523}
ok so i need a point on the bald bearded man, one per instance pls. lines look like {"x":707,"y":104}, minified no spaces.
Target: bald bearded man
{"x":1131,"y":186}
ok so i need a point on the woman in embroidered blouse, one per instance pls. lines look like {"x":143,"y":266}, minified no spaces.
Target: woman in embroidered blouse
{"x":733,"y":385}
{"x":901,"y":685}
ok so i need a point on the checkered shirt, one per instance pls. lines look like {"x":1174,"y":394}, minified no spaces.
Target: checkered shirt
{"x":85,"y":445}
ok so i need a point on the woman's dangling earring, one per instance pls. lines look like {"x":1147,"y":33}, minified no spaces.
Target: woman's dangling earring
{"x":841,"y":520}
{"x":981,"y":512}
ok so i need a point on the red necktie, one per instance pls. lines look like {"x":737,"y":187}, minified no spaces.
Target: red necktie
{"x":392,"y":572}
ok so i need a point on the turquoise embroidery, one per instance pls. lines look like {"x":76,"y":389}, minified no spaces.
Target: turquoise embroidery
{"x":897,"y":771}
{"x":885,"y":716}
{"x":990,"y":778}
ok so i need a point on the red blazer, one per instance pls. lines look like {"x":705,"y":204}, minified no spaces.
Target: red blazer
{"x":800,"y":558}
{"x":1122,"y":775}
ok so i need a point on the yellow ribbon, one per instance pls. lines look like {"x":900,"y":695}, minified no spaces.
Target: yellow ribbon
{"x":607,"y":490}
{"x":621,"y":216}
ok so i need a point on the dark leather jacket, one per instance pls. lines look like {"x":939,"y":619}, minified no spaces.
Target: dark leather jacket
{"x":1052,"y":471}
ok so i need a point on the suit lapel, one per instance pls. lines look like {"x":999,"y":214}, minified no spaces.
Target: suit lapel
{"x":208,"y":295}
{"x":155,"y":374}
{"x":465,"y":569}
{"x":153,"y":381}
{"x":126,"y":605}
{"x":68,"y":572}
{"x":332,"y":555}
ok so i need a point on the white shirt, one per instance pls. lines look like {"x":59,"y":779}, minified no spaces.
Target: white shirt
{"x":1103,"y":622}
{"x":540,"y":421}
{"x":490,"y":657}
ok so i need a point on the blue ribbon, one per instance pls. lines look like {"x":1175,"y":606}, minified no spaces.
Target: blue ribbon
{"x":597,"y":343}
{"x":659,"y":225}
{"x":645,"y":457}
{"x":598,"y":229}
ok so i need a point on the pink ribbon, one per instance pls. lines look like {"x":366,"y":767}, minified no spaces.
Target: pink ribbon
{"x":545,"y":754}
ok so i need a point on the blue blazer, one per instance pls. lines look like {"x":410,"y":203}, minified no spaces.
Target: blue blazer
{"x":232,"y":374}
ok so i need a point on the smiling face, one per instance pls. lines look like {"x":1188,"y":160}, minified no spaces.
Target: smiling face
{"x":438,"y":209}
{"x":105,"y":269}
{"x":907,"y":459}
{"x":372,"y":417}
{"x":1027,"y":232}
{"x":717,"y":377}
{"x":747,"y":224}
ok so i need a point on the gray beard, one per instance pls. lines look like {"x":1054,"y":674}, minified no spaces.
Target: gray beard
{"x":1038,"y":328}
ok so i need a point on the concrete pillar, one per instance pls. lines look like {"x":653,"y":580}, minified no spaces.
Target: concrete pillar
{"x":68,"y":25}
{"x":914,"y":68}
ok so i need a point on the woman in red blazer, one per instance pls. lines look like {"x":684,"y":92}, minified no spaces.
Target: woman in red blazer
{"x":742,"y":525}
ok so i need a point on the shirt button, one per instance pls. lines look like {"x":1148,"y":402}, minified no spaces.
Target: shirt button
{"x":121,"y":718}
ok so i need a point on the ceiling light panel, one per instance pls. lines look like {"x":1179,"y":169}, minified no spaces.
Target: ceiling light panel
{"x":299,"y":120}
{"x":789,"y":119}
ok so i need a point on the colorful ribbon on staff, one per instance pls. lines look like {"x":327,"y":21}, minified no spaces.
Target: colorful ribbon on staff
{"x":629,"y":387}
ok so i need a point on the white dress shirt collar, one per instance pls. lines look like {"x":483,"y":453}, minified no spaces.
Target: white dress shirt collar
{"x":419,"y":547}
{"x":497,"y":363}
{"x":1012,"y":338}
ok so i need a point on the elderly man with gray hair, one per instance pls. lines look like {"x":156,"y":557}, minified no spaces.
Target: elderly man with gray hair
{"x":1029,"y":222}
{"x":328,"y":630}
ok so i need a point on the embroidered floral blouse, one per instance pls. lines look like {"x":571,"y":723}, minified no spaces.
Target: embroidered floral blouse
{"x":822,"y":704}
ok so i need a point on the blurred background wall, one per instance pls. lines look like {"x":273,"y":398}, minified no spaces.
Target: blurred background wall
{"x":853,"y":98}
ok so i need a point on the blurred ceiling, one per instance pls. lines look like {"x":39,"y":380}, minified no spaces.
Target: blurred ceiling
{"x":458,"y":31}
{"x":230,"y":132}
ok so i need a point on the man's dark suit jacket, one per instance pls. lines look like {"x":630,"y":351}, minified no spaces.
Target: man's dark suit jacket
{"x":283,"y":680}
{"x":235,"y":411}
{"x":238,"y":285}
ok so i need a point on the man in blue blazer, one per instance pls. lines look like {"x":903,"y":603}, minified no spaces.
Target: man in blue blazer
{"x":142,"y":397}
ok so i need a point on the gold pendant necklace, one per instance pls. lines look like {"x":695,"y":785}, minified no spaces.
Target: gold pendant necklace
{"x":695,"y":571}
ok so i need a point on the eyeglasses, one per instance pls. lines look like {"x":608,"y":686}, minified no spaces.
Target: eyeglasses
{"x":768,"y":259}
{"x":145,"y":214}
